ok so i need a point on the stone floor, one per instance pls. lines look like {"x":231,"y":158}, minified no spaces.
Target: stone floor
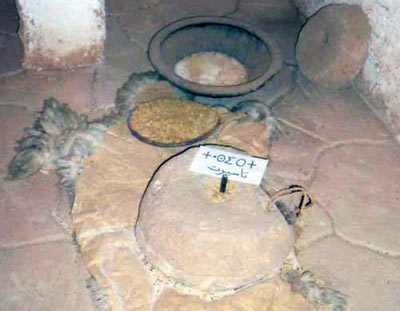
{"x":330,"y":142}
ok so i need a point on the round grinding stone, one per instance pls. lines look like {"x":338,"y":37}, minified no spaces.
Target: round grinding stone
{"x":333,"y":45}
{"x":205,"y":239}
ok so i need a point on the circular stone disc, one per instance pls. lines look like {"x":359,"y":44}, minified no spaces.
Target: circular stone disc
{"x":172,"y":122}
{"x":207,"y":240}
{"x":333,"y":45}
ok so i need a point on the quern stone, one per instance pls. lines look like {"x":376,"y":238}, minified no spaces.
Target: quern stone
{"x":205,"y":240}
{"x":333,"y":45}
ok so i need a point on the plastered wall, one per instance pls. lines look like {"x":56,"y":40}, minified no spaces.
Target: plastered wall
{"x":60,"y":33}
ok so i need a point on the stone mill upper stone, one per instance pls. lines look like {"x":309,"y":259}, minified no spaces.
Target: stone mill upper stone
{"x":210,"y":241}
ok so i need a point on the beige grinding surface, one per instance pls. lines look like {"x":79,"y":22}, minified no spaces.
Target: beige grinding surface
{"x":107,"y":200}
{"x":108,"y":194}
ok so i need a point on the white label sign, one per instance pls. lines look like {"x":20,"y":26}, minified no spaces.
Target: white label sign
{"x":217,"y":162}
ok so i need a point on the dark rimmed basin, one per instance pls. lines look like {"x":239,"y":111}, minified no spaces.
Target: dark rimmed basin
{"x":257,"y":51}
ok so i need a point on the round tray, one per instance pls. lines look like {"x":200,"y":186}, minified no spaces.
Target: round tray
{"x":178,"y":144}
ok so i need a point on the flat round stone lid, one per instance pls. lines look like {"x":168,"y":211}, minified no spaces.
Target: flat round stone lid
{"x":205,"y":239}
